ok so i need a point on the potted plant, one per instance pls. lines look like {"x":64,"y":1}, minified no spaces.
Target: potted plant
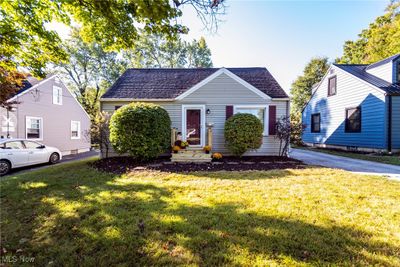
{"x":184,"y":144}
{"x":207,"y":149}
{"x":176,"y":149}
{"x":216,"y":156}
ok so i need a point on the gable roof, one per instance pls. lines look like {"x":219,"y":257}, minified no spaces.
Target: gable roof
{"x":383,"y":62}
{"x":164,"y":83}
{"x":360,"y":72}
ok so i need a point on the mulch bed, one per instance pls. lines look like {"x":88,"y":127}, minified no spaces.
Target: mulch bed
{"x":120,"y":165}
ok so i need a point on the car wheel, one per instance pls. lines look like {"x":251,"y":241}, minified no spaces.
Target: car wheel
{"x":5,"y":167}
{"x":54,"y":158}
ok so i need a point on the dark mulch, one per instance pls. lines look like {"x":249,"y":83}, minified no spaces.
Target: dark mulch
{"x":119,"y":165}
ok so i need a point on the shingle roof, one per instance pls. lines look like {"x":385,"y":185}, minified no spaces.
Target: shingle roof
{"x":170,"y":83}
{"x":382,"y":62}
{"x":360,"y":72}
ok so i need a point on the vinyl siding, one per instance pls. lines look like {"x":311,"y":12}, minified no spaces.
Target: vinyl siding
{"x":396,"y":122}
{"x":216,"y":95}
{"x":351,"y":92}
{"x":384,"y":72}
{"x":56,"y":118}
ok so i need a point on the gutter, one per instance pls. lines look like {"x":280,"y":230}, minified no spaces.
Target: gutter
{"x":389,"y":136}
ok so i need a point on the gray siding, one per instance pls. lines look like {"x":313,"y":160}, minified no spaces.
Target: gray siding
{"x":396,"y":122}
{"x":216,"y":95}
{"x":56,"y":118}
{"x":351,"y":92}
{"x":384,"y":72}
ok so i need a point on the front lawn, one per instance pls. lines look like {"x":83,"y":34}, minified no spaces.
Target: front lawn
{"x":388,"y":159}
{"x":76,"y":216}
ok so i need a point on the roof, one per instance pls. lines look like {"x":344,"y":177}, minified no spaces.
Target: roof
{"x":383,"y":61}
{"x":360,"y":72}
{"x":169,"y":83}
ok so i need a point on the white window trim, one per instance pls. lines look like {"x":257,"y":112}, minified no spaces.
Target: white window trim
{"x":202,"y":123}
{"x":266,"y":114}
{"x":79,"y":130}
{"x":59,"y":90}
{"x":28,"y":118}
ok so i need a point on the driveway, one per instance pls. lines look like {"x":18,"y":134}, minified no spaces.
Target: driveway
{"x":348,"y":164}
{"x":68,"y":158}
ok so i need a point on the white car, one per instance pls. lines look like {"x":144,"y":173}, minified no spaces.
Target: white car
{"x":15,"y":153}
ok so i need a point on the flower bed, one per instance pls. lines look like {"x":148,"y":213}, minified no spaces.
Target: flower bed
{"x":121,"y":165}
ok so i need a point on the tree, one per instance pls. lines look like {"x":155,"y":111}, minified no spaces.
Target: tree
{"x":10,"y":82}
{"x":283,"y":130}
{"x":90,"y":70}
{"x":159,"y":51}
{"x":301,"y":92}
{"x":379,"y":41}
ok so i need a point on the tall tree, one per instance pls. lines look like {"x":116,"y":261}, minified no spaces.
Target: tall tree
{"x":89,"y":70}
{"x":380,"y":40}
{"x":313,"y":73}
{"x":159,"y":51}
{"x":301,"y":91}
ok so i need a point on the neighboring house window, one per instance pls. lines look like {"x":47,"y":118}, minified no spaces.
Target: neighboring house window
{"x":316,"y":123}
{"x":353,"y":120}
{"x":332,"y":86}
{"x":258,"y":111}
{"x":117,"y":107}
{"x":75,"y":129}
{"x":398,"y":73}
{"x":57,"y":95}
{"x":34,"y":128}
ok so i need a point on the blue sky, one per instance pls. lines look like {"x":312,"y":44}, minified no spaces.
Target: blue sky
{"x":284,"y":35}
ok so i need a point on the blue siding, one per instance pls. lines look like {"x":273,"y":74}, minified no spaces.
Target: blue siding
{"x":351,"y":92}
{"x":396,"y":122}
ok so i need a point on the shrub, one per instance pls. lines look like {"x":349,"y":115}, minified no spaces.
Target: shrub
{"x":243,"y":132}
{"x":140,"y":129}
{"x":216,"y":156}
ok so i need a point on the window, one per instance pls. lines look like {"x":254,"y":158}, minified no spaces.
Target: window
{"x":34,"y":128}
{"x":75,"y":129}
{"x":316,"y":123}
{"x":31,"y":145}
{"x":332,"y":86}
{"x":398,"y":73}
{"x":258,"y":111}
{"x":117,"y":107}
{"x":57,"y":95}
{"x":14,"y":145}
{"x":353,"y":120}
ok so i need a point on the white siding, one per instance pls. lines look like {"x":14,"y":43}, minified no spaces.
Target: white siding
{"x":216,"y":95}
{"x":384,"y":72}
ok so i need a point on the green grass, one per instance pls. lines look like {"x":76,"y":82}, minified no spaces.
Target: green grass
{"x":73,"y":215}
{"x":388,"y":159}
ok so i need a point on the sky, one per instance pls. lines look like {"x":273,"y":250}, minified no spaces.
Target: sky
{"x":283,"y":35}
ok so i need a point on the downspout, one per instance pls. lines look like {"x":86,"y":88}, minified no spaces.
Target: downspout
{"x":389,"y":136}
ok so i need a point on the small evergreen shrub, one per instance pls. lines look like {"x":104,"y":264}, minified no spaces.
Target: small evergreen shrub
{"x":142,"y":130}
{"x":243,"y":132}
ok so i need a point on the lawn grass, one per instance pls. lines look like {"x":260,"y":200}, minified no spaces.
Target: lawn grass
{"x":388,"y":159}
{"x":75,"y":216}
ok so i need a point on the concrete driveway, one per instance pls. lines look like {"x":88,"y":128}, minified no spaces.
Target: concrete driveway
{"x":348,"y":164}
{"x":65,"y":159}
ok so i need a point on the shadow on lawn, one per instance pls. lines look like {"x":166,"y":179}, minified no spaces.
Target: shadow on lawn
{"x":100,"y":227}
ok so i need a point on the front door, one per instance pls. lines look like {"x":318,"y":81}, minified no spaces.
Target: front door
{"x":193,"y":128}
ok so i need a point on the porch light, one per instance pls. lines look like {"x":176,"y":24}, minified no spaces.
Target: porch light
{"x":208,"y":111}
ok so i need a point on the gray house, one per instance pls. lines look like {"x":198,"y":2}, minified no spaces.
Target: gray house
{"x":200,"y":100}
{"x":48,"y":113}
{"x":356,"y":107}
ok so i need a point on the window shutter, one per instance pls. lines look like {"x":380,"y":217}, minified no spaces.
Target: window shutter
{"x":229,"y":111}
{"x":272,"y":120}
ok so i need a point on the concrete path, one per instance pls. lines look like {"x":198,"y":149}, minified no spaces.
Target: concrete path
{"x":344,"y":163}
{"x":65,"y":159}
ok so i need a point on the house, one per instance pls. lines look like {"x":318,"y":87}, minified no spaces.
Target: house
{"x":199,"y":100}
{"x":356,"y":107}
{"x":47,"y":112}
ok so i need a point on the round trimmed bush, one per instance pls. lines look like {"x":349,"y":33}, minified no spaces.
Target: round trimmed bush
{"x":243,"y":132}
{"x":142,"y":130}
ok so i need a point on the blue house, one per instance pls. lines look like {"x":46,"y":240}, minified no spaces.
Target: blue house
{"x":356,"y":107}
